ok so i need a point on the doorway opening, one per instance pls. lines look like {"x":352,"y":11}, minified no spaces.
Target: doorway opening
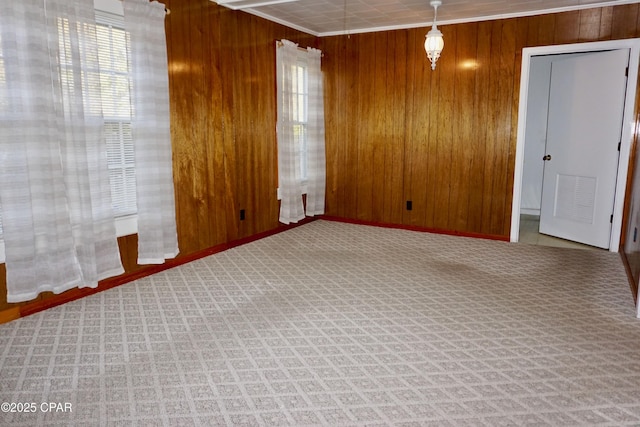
{"x":530,"y":59}
{"x":530,"y":234}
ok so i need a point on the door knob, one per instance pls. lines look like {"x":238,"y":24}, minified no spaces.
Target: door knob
{"x":547,"y":157}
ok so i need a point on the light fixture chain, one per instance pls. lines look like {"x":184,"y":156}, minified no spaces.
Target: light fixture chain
{"x":434,"y":42}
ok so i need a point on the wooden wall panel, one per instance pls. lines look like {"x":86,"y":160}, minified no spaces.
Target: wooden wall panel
{"x":366,"y":125}
{"x":500,"y":223}
{"x":606,"y":23}
{"x":459,"y":124}
{"x":463,"y":133}
{"x":379,"y":137}
{"x":589,"y":27}
{"x":396,"y":109}
{"x":630,"y":241}
{"x":566,"y":28}
{"x":335,"y":131}
{"x":416,"y":122}
{"x":494,"y":104}
{"x":625,"y":21}
{"x":479,"y":116}
{"x":220,"y":155}
{"x":349,"y":200}
{"x":226,"y":148}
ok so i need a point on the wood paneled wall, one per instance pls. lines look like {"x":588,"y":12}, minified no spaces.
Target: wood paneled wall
{"x":443,"y":139}
{"x":630,"y":245}
{"x":223,"y":113}
{"x":396,"y":130}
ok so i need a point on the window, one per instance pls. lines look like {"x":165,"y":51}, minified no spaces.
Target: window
{"x":116,"y":108}
{"x":109,"y":81}
{"x":300,"y":132}
{"x":293,"y":90}
{"x":113,"y":78}
{"x":300,"y":97}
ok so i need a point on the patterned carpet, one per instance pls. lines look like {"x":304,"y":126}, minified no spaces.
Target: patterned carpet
{"x":339,"y":324}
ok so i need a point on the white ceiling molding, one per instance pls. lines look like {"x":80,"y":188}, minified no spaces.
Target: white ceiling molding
{"x":245,"y":4}
{"x":473,"y":18}
{"x":323,"y":18}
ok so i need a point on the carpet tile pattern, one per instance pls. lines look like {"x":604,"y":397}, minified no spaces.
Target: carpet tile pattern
{"x":342,"y":325}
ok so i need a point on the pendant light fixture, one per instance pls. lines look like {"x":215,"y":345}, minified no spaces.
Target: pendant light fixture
{"x":434,"y":42}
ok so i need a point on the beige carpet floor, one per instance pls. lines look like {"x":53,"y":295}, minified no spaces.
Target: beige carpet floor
{"x":339,"y":324}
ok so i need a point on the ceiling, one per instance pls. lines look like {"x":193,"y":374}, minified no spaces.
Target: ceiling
{"x":332,"y":17}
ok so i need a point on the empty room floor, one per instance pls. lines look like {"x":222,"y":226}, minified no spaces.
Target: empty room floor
{"x":529,"y":233}
{"x":340,"y":324}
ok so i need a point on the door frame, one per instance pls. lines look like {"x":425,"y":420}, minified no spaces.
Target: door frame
{"x":627,"y":126}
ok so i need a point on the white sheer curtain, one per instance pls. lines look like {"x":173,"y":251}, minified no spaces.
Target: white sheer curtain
{"x":57,"y":219}
{"x":316,"y":157}
{"x":300,"y":124}
{"x":289,"y":144}
{"x":157,"y":236}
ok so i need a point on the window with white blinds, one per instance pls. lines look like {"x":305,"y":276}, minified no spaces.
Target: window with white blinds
{"x":113,"y":53}
{"x":112,"y":76}
{"x":299,"y":95}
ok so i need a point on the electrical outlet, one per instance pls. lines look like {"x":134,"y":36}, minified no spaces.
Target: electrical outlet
{"x":241,"y":214}
{"x":409,"y":205}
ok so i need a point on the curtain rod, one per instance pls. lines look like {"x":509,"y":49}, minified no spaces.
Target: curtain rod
{"x":304,"y":49}
{"x":280,"y":44}
{"x":166,"y":10}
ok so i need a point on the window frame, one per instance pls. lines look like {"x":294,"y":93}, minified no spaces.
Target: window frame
{"x":125,"y":224}
{"x":302,"y":63}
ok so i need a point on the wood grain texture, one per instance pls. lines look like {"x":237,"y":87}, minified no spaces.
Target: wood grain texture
{"x":589,"y":27}
{"x":418,"y":107}
{"x":459,"y":122}
{"x":396,"y":130}
{"x":394,"y":152}
{"x":630,"y":239}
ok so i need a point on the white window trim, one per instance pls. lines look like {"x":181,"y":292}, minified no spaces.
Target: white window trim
{"x":126,"y":225}
{"x":109,"y":6}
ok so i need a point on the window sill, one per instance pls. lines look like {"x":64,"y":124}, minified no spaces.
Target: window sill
{"x":125,"y":226}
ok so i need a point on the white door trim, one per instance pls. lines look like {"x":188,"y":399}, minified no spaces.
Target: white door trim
{"x":627,"y":127}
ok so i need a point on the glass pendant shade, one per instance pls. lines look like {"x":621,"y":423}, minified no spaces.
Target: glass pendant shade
{"x":433,"y":45}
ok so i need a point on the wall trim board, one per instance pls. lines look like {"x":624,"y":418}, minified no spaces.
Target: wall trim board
{"x":530,"y":212}
{"x":632,"y":284}
{"x":9,"y":314}
{"x":76,"y":293}
{"x":416,"y":228}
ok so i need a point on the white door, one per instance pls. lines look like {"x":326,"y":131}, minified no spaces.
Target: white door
{"x":586,"y":104}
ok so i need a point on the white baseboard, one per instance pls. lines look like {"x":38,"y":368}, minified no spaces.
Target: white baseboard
{"x":528,"y":211}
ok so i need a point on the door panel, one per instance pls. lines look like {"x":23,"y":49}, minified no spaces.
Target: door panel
{"x":586,"y":104}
